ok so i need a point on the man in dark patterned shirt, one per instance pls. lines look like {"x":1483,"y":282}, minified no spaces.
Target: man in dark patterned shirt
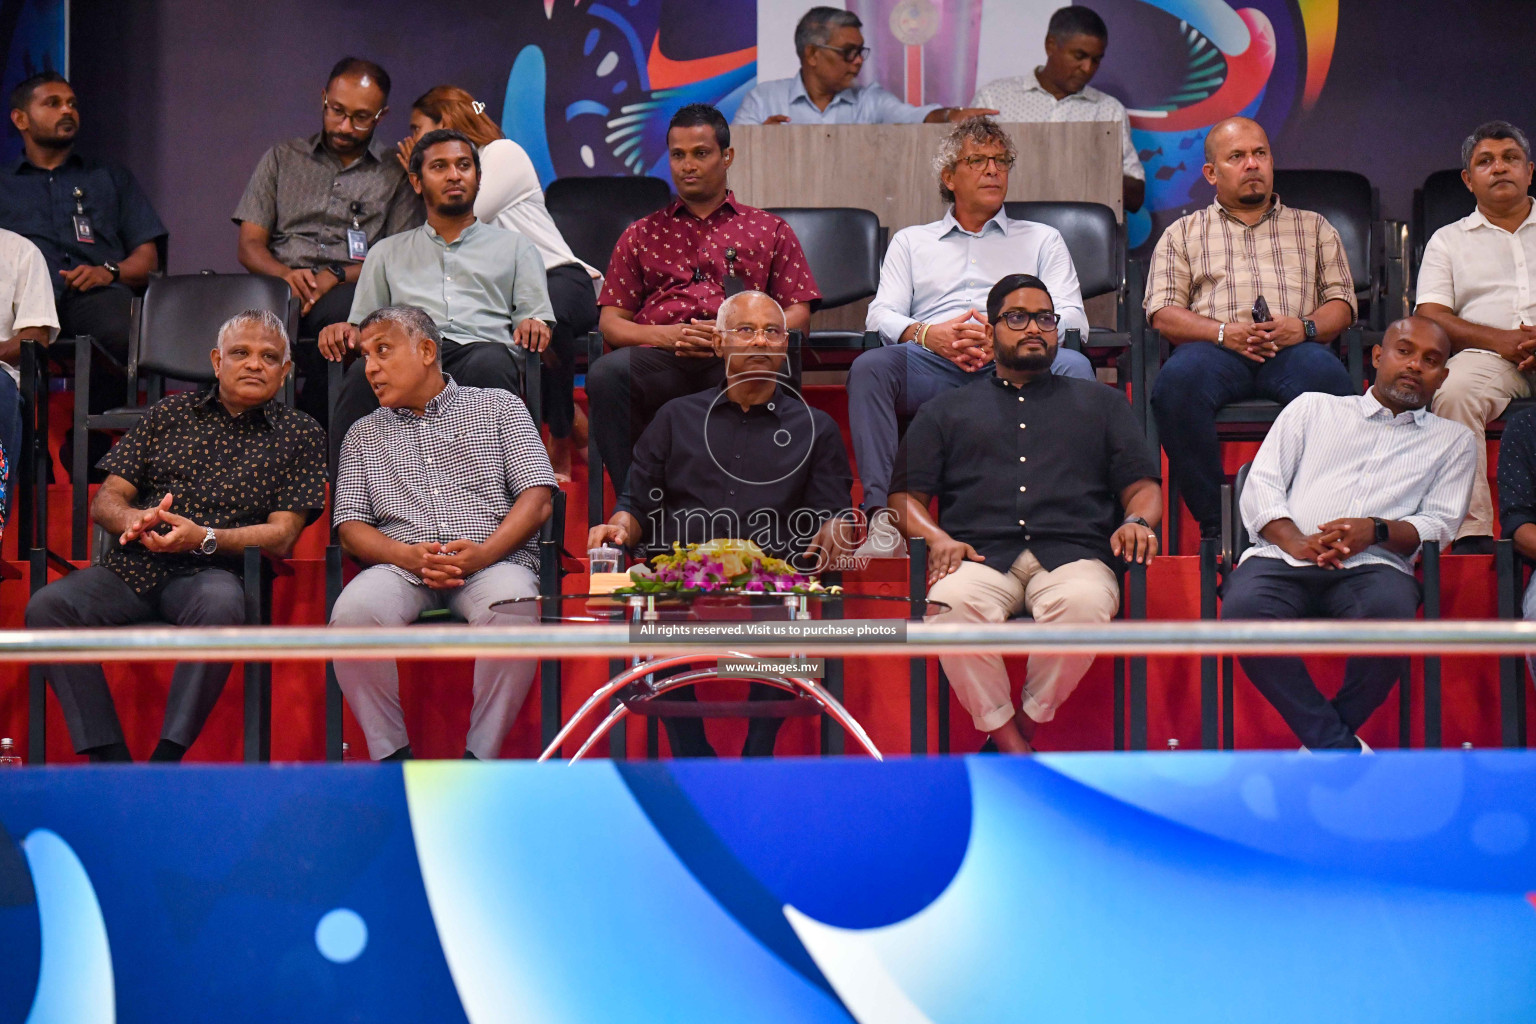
{"x":441,"y":493}
{"x":201,"y":477}
{"x":315,"y":206}
{"x":669,"y":273}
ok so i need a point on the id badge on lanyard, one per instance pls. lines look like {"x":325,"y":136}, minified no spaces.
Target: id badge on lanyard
{"x":84,"y":233}
{"x":357,"y":238}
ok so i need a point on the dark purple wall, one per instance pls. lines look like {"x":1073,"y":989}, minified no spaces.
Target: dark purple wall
{"x":189,"y":93}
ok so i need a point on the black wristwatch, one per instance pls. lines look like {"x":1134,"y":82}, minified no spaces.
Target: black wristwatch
{"x":1137,"y":520}
{"x":114,"y":270}
{"x":1383,"y":532}
{"x":1309,"y":328}
{"x":339,"y":270}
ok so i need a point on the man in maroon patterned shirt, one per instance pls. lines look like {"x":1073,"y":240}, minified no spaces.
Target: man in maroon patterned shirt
{"x":668,"y":275}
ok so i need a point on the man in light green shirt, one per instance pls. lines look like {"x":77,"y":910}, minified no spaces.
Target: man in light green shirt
{"x":482,"y":285}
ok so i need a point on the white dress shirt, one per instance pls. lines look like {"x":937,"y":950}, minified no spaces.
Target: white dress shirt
{"x":26,"y":295}
{"x":1026,"y":101}
{"x":937,"y":271}
{"x":857,"y":104}
{"x":1332,"y":457}
{"x":510,"y":197}
{"x":1481,"y":272}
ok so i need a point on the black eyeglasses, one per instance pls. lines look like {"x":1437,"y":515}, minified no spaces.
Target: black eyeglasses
{"x":1018,"y":319}
{"x":848,"y":53}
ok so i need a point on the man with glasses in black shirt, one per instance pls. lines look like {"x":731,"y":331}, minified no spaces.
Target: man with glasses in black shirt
{"x":1046,"y":488}
{"x":315,"y":206}
{"x":748,"y":460}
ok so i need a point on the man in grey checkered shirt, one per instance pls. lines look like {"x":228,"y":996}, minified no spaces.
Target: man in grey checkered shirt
{"x":440,"y":493}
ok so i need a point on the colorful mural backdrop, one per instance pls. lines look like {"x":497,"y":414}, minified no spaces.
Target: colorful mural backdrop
{"x":591,"y":89}
{"x":33,"y":38}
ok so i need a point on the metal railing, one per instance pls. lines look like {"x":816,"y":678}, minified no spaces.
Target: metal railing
{"x":311,"y":643}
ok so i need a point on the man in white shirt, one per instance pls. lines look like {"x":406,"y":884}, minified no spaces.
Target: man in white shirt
{"x":1343,"y":492}
{"x":1058,"y":90}
{"x":930,"y":309}
{"x":832,"y":53}
{"x":1476,"y":283}
{"x":26,"y":314}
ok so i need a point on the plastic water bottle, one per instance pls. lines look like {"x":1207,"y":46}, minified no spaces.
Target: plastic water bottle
{"x":8,"y":756}
{"x":1173,"y":744}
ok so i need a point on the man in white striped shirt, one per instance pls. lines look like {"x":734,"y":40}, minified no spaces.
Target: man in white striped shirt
{"x":1342,"y":493}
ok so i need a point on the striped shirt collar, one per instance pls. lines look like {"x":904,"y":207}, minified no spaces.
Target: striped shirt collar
{"x":1370,"y":406}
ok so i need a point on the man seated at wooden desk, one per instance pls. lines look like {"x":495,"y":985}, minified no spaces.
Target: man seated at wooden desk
{"x":832,"y":53}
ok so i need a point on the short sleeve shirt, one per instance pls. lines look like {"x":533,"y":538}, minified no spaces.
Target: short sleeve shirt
{"x":669,"y":267}
{"x":1213,"y":264}
{"x":26,"y":295}
{"x":1026,"y":101}
{"x":306,"y":200}
{"x":224,"y":472}
{"x":1482,"y":273}
{"x":452,"y":473}
{"x":1039,"y":467}
{"x":42,"y":205}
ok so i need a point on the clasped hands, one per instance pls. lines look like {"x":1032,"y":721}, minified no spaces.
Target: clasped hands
{"x":962,"y":340}
{"x":1333,"y":542}
{"x":446,"y":566}
{"x":1262,"y":341}
{"x":1519,"y":347}
{"x":183,"y":535}
{"x":694,"y":339}
{"x":336,"y":340}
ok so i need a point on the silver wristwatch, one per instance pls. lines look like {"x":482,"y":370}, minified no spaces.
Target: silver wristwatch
{"x":210,"y":543}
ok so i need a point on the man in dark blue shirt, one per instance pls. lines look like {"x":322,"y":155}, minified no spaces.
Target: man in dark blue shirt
{"x":92,"y":222}
{"x":747,"y":460}
{"x":1517,"y":497}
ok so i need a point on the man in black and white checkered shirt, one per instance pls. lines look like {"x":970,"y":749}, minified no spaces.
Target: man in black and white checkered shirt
{"x":441,"y":493}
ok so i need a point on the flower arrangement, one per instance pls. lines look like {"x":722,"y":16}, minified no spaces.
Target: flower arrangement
{"x":719,"y":565}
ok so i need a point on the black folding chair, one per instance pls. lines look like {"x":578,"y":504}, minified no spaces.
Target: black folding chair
{"x":175,"y":325}
{"x":1096,"y":240}
{"x":1349,"y":202}
{"x":844,"y":246}
{"x":1222,"y":555}
{"x":592,"y":212}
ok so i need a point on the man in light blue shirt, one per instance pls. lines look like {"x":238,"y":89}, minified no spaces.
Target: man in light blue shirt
{"x":832,"y":53}
{"x":930,"y":310}
{"x":482,"y":285}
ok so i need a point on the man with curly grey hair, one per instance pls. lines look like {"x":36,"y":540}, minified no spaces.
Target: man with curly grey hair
{"x":832,"y":52}
{"x":930,"y":308}
{"x":1475,"y":282}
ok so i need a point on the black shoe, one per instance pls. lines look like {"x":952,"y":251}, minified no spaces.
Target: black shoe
{"x":989,"y":747}
{"x":1473,"y":546}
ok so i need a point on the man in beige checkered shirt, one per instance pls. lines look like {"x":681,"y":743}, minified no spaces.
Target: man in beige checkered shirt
{"x":1208,"y":272}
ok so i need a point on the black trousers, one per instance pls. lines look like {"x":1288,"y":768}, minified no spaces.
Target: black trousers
{"x":686,"y":735}
{"x":575,"y":303}
{"x":309,"y":370}
{"x":628,"y":386}
{"x":480,"y":365}
{"x":104,"y":314}
{"x":98,"y":597}
{"x":1270,"y":588}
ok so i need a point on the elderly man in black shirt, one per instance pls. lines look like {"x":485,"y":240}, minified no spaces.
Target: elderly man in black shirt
{"x":201,"y":477}
{"x":750,"y":460}
{"x":1045,"y":486}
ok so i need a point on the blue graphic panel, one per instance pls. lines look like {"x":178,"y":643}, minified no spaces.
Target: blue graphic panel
{"x":1189,"y":887}
{"x":33,"y":37}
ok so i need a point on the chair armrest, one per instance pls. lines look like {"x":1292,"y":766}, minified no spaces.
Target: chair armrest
{"x":1354,"y":355}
